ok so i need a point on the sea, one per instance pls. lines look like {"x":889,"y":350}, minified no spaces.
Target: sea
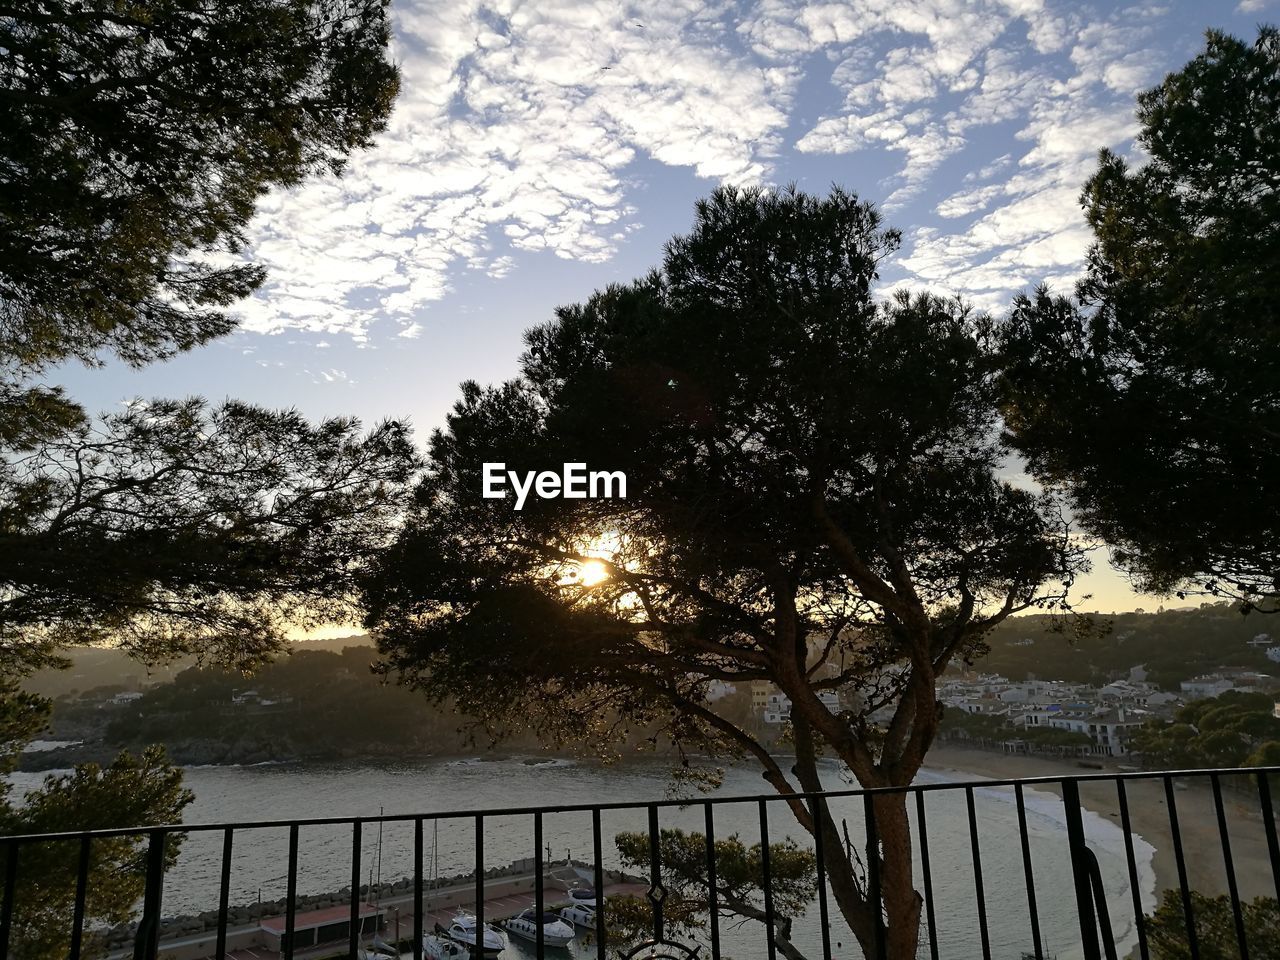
{"x":350,"y":789}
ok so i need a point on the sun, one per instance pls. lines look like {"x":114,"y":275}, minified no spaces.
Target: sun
{"x":591,"y":572}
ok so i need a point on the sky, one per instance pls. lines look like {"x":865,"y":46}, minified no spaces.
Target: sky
{"x":540,"y":150}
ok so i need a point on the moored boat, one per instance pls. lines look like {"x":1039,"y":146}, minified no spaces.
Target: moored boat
{"x":555,"y":932}
{"x":579,"y":915}
{"x":463,"y":930}
{"x":584,"y":895}
{"x":439,"y":947}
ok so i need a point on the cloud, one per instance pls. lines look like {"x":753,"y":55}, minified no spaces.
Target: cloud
{"x":522,"y":124}
{"x":512,"y":132}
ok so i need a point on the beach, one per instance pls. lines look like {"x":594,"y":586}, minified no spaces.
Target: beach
{"x":1149,"y":816}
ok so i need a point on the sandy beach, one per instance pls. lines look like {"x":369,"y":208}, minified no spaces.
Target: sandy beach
{"x":1149,"y":816}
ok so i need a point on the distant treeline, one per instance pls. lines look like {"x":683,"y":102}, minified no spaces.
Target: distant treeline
{"x":311,"y":705}
{"x":1172,"y":645}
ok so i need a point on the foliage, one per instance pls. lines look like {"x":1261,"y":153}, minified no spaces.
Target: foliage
{"x":978,"y":726}
{"x":311,"y":704}
{"x":1153,"y":397}
{"x":1171,"y":646}
{"x":813,"y":499}
{"x":173,"y":527}
{"x":739,"y":887}
{"x":131,"y":791}
{"x":1215,"y":928}
{"x":1231,"y":730}
{"x":136,"y":140}
{"x":975,"y":726}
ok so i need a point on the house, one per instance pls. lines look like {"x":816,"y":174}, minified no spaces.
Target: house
{"x":777,"y":707}
{"x":1211,"y":685}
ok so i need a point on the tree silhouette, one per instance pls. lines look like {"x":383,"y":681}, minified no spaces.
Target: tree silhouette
{"x":1154,"y":397}
{"x":135,"y":142}
{"x":813,"y":500}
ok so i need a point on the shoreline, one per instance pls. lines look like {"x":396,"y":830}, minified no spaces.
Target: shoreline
{"x":1149,"y":816}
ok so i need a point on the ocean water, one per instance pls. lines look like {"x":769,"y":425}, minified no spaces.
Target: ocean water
{"x":285,"y":791}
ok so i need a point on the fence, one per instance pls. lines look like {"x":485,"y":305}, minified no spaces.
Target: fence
{"x":1087,"y":899}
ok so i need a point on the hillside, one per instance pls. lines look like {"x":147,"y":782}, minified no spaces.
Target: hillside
{"x":1173,"y":645}
{"x":95,"y":668}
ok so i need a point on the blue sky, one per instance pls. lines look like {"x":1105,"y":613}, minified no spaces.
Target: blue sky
{"x":542,"y":149}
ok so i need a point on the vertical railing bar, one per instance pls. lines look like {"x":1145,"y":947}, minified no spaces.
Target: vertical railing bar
{"x":480,"y":891}
{"x":817,"y":810}
{"x":147,"y":941}
{"x":538,"y":892}
{"x":1193,"y":943}
{"x":708,"y":816}
{"x":657,"y":891}
{"x":1229,"y":864}
{"x":224,"y":893}
{"x":1028,"y":872}
{"x":417,"y":889}
{"x":1080,"y":871}
{"x":767,"y":877}
{"x":976,"y":854}
{"x":82,"y":891}
{"x":291,"y":893}
{"x":597,"y":848}
{"x":1269,"y":824}
{"x":873,"y":874}
{"x":10,"y":894}
{"x":353,"y":933}
{"x":1135,"y":888}
{"x":1100,"y":902}
{"x":927,"y":875}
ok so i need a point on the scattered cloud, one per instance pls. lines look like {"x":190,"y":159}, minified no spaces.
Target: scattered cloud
{"x":522,"y":127}
{"x":512,"y":134}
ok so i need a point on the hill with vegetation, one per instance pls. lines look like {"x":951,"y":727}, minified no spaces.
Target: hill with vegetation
{"x":1171,"y":645}
{"x":314,"y":704}
{"x":97,"y":670}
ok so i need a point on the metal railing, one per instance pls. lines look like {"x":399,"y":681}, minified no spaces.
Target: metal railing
{"x":1087,"y":898}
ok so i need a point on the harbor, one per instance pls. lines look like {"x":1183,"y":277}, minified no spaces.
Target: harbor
{"x":386,"y":914}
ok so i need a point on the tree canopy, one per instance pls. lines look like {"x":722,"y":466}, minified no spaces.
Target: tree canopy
{"x":740,"y":881}
{"x":1154,"y":395}
{"x":1215,"y":927}
{"x":135,"y":142}
{"x":130,"y":791}
{"x":813,"y":500}
{"x":1234,"y":729}
{"x":174,"y":527}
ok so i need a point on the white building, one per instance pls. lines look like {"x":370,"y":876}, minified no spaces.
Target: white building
{"x":1212,"y":685}
{"x":777,"y":706}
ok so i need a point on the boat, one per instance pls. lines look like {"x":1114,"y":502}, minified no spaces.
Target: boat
{"x":463,"y":930}
{"x":555,"y":932}
{"x":439,"y":947}
{"x":579,"y":915}
{"x":583,"y":895}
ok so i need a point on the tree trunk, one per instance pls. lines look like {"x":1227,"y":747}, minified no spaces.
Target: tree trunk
{"x":893,"y":922}
{"x":897,"y":886}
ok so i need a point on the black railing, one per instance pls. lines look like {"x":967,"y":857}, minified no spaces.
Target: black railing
{"x":1076,"y":891}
